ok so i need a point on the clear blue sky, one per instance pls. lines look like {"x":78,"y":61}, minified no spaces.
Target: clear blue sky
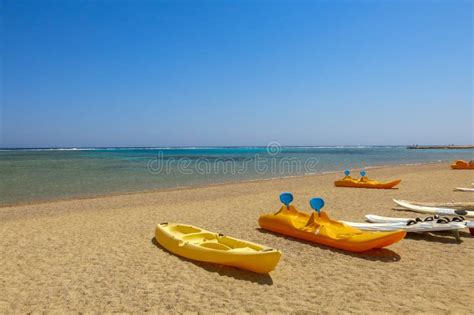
{"x":151,"y":73}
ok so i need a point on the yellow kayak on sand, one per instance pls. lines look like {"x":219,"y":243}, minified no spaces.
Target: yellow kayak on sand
{"x":197,"y":244}
{"x":319,"y":228}
{"x":364,"y":182}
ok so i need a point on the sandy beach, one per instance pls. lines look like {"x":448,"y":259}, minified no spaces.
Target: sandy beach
{"x":99,"y":255}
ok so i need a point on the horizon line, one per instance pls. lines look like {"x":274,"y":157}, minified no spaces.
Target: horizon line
{"x":231,"y":146}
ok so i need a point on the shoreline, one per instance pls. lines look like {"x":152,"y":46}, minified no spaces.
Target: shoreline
{"x":198,"y":186}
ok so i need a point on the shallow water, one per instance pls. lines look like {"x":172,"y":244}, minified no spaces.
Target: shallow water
{"x":45,"y":174}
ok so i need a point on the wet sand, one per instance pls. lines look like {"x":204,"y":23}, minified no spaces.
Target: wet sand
{"x":99,"y":255}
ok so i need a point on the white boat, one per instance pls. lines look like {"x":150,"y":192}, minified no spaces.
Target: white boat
{"x":418,"y":227}
{"x":434,"y":210}
{"x":464,"y":189}
{"x":380,"y":219}
{"x":372,"y":218}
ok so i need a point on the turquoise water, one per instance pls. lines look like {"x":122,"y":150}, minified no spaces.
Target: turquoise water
{"x":45,"y":174}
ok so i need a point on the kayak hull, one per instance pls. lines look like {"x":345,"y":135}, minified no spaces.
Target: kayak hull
{"x":340,"y":236}
{"x":369,"y":184}
{"x":468,"y":167}
{"x":201,"y":245}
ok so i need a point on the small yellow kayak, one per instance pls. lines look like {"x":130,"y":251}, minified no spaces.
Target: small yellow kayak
{"x":319,"y":228}
{"x":365,"y":182}
{"x":197,"y":244}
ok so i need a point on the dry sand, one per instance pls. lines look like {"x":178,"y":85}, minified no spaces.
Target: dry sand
{"x":99,"y":254}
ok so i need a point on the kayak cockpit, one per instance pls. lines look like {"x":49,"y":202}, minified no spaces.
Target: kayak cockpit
{"x":193,"y":236}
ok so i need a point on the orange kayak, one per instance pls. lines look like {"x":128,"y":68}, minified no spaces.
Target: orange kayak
{"x":364,"y":182}
{"x":463,"y":165}
{"x":320,"y":229}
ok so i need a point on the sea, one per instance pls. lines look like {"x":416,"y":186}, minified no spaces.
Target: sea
{"x":43,"y":174}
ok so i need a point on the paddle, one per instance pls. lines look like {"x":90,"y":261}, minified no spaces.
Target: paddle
{"x":317,"y":204}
